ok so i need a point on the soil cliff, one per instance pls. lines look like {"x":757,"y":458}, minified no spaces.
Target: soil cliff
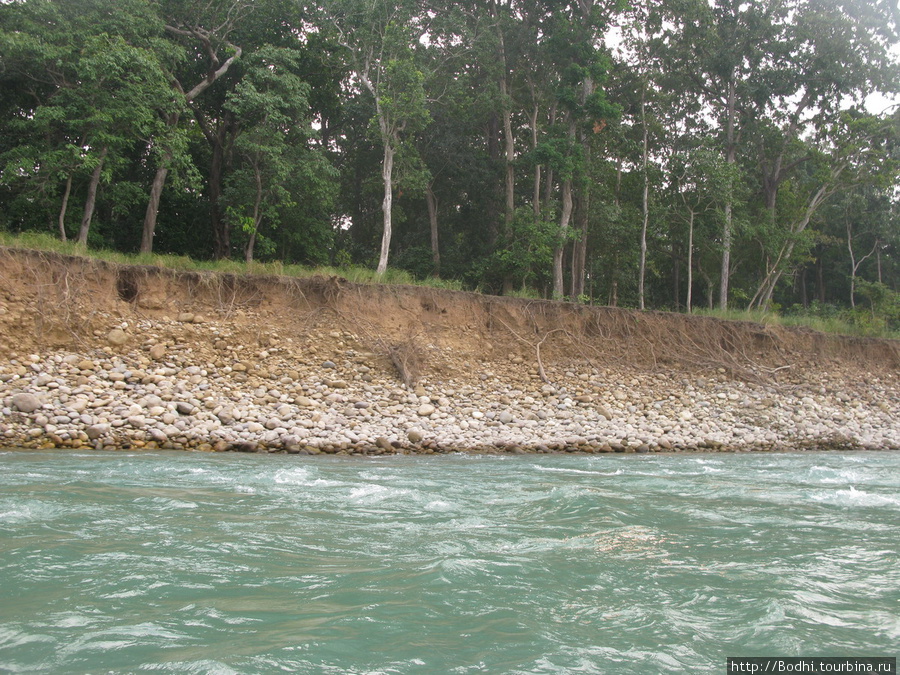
{"x":422,"y":368}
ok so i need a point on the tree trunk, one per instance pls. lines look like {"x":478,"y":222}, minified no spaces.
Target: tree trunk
{"x":579,"y":255}
{"x":676,"y":276}
{"x":804,"y":294}
{"x":431,"y":201}
{"x":387,"y":176}
{"x":558,"y":286}
{"x":91,"y":201}
{"x":156,"y":189}
{"x":690,"y":262}
{"x":508,"y":138}
{"x":855,"y":264}
{"x":159,"y":180}
{"x":726,"y":256}
{"x":220,"y":226}
{"x":763,"y":295}
{"x":62,"y":209}
{"x":536,"y":197}
{"x":492,"y":209}
{"x":730,"y":158}
{"x":645,"y":204}
{"x":257,"y":217}
{"x":820,"y":279}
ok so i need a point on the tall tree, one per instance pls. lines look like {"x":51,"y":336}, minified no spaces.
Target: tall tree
{"x":204,"y":31}
{"x":379,"y":38}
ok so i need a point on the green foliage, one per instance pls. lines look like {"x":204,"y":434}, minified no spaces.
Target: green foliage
{"x":884,"y":304}
{"x":752,"y":115}
{"x":525,"y":259}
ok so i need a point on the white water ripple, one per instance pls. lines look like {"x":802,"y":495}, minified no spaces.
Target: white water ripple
{"x":183,"y":563}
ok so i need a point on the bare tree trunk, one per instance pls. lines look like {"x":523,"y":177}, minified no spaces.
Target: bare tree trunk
{"x":62,"y":209}
{"x":156,"y":189}
{"x":690,"y":262}
{"x":763,"y":295}
{"x":854,"y":263}
{"x":536,"y":197}
{"x":91,"y":201}
{"x":220,"y":227}
{"x":726,"y":256}
{"x":730,"y":158}
{"x":579,"y":254}
{"x":508,"y":138}
{"x":257,"y":217}
{"x":820,"y":279}
{"x":387,"y":176}
{"x":431,"y":202}
{"x":645,"y":204}
{"x":558,"y":287}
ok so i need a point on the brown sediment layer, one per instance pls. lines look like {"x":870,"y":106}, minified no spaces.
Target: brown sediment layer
{"x":96,"y":354}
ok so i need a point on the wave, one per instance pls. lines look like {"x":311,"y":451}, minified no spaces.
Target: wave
{"x":854,"y":497}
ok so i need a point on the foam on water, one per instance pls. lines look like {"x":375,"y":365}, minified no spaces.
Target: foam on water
{"x":852,"y":497}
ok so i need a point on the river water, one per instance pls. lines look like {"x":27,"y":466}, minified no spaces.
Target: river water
{"x":200,"y":563}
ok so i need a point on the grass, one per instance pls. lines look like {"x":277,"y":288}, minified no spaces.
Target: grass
{"x":359,"y":275}
{"x":840,"y":324}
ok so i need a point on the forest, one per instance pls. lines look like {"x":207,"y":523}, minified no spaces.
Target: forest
{"x":673,"y":155}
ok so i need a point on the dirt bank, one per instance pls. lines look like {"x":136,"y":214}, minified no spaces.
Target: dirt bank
{"x":143,"y":356}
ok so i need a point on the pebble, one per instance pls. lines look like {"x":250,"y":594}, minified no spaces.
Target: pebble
{"x":163,"y":393}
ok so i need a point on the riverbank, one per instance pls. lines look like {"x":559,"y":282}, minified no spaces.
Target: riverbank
{"x":108,"y":356}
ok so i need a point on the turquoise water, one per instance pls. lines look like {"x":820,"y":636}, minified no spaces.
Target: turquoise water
{"x":196,"y":563}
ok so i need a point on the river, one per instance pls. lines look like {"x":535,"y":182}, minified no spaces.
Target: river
{"x":208,"y":563}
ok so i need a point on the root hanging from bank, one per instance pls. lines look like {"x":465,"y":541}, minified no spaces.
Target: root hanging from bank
{"x":408,"y":358}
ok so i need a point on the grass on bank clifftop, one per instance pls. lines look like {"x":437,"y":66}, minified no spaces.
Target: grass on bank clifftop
{"x":358,"y":275}
{"x":840,"y":323}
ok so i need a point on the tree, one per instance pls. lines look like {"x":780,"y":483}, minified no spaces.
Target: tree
{"x":271,"y":104}
{"x":861,"y":154}
{"x":98,"y":85}
{"x":379,"y":39}
{"x":206,"y":29}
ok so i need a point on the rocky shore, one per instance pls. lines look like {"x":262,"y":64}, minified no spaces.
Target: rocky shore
{"x":164,"y":394}
{"x":98,"y":355}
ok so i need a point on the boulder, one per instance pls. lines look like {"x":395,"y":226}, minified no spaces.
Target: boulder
{"x":117,"y":337}
{"x":26,"y":403}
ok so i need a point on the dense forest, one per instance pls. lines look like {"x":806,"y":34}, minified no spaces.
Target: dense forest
{"x":668,"y":155}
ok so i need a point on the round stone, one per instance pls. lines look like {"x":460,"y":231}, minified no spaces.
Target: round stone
{"x":117,"y":337}
{"x":26,"y":403}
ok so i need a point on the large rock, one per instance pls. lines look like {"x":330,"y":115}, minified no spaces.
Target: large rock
{"x":117,"y":337}
{"x":95,"y":431}
{"x":26,"y":403}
